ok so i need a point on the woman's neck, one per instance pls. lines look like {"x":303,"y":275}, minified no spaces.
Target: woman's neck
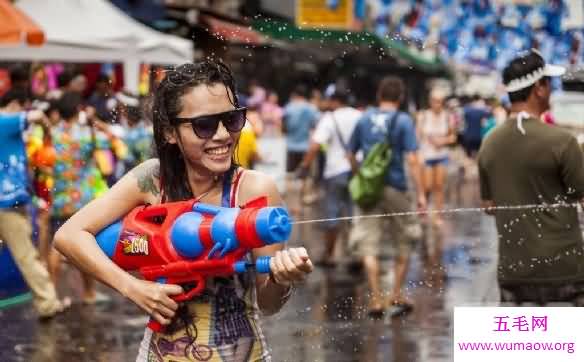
{"x":202,"y":182}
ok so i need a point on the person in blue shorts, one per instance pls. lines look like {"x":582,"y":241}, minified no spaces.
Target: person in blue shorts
{"x":435,"y":129}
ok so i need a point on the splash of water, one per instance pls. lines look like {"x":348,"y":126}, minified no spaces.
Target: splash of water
{"x":535,"y":207}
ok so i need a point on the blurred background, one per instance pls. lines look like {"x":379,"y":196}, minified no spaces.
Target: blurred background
{"x":113,"y":53}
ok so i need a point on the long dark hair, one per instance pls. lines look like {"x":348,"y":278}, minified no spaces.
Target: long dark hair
{"x":165,"y":107}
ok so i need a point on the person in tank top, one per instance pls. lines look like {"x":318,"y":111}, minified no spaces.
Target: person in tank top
{"x":435,"y":132}
{"x":197,"y":121}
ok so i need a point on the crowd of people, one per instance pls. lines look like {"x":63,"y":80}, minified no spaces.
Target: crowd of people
{"x":63,"y":151}
{"x":424,"y":146}
{"x":84,"y":142}
{"x":71,"y":156}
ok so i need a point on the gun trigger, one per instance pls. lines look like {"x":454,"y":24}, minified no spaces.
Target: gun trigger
{"x":214,"y":250}
{"x":225,"y":249}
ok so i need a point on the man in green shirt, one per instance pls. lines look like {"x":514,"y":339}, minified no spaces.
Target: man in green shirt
{"x":527,"y":162}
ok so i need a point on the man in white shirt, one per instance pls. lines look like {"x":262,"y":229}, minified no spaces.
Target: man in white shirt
{"x":334,"y":132}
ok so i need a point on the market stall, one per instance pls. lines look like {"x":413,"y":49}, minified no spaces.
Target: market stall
{"x":76,"y":31}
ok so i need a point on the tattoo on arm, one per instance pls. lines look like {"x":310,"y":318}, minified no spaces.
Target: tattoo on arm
{"x":147,"y":175}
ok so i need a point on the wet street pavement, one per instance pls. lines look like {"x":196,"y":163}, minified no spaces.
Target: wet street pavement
{"x":326,"y":319}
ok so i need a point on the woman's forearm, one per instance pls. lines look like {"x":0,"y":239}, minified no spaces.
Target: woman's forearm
{"x":82,"y":250}
{"x":271,"y":296}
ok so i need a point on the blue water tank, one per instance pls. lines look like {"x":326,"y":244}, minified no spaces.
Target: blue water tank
{"x":185,"y":235}
{"x":107,"y":239}
{"x":223,"y":231}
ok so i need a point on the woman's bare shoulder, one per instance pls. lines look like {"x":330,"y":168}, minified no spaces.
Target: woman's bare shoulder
{"x":146,"y":177}
{"x":255,"y":184}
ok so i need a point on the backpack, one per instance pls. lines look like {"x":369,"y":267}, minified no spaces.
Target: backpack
{"x":366,"y":186}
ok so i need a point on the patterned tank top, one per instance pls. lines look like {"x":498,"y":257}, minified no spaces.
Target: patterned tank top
{"x":224,"y":320}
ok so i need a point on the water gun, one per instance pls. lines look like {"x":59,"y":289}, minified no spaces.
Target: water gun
{"x":186,"y":242}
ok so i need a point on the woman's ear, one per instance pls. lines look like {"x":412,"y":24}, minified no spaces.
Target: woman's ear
{"x":170,"y":135}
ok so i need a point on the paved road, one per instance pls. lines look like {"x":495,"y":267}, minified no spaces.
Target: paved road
{"x":324,"y":321}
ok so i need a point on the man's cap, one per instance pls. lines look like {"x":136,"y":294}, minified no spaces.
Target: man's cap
{"x":531,"y":60}
{"x":334,"y":93}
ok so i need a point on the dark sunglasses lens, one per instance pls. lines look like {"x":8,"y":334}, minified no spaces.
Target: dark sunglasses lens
{"x":235,"y":121}
{"x":205,"y":127}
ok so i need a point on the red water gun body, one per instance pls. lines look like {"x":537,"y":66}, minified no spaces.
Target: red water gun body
{"x":187,"y":242}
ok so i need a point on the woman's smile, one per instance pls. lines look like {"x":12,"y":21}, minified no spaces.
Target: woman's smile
{"x":219,"y":152}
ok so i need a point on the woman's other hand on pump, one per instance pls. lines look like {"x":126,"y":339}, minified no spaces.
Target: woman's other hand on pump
{"x":155,"y":298}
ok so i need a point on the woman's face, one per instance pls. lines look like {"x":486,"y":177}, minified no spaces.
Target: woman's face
{"x":436,"y":103}
{"x":206,"y":155}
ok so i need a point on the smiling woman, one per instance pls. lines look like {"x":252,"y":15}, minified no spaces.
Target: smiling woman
{"x":194,"y":93}
{"x":197,"y":122}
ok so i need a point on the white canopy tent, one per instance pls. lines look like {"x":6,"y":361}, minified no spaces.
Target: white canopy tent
{"x":95,"y":31}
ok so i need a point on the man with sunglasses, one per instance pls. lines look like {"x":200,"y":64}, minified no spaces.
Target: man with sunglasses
{"x":525,"y":162}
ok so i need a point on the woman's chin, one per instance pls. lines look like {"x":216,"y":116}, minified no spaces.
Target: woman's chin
{"x":218,"y":166}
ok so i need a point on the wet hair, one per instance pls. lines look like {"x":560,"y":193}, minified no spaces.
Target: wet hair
{"x":165,"y":108}
{"x":18,"y":94}
{"x":518,"y":68}
{"x":391,"y":89}
{"x":68,"y":105}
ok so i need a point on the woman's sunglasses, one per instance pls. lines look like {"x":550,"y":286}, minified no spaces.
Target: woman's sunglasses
{"x":206,"y":126}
